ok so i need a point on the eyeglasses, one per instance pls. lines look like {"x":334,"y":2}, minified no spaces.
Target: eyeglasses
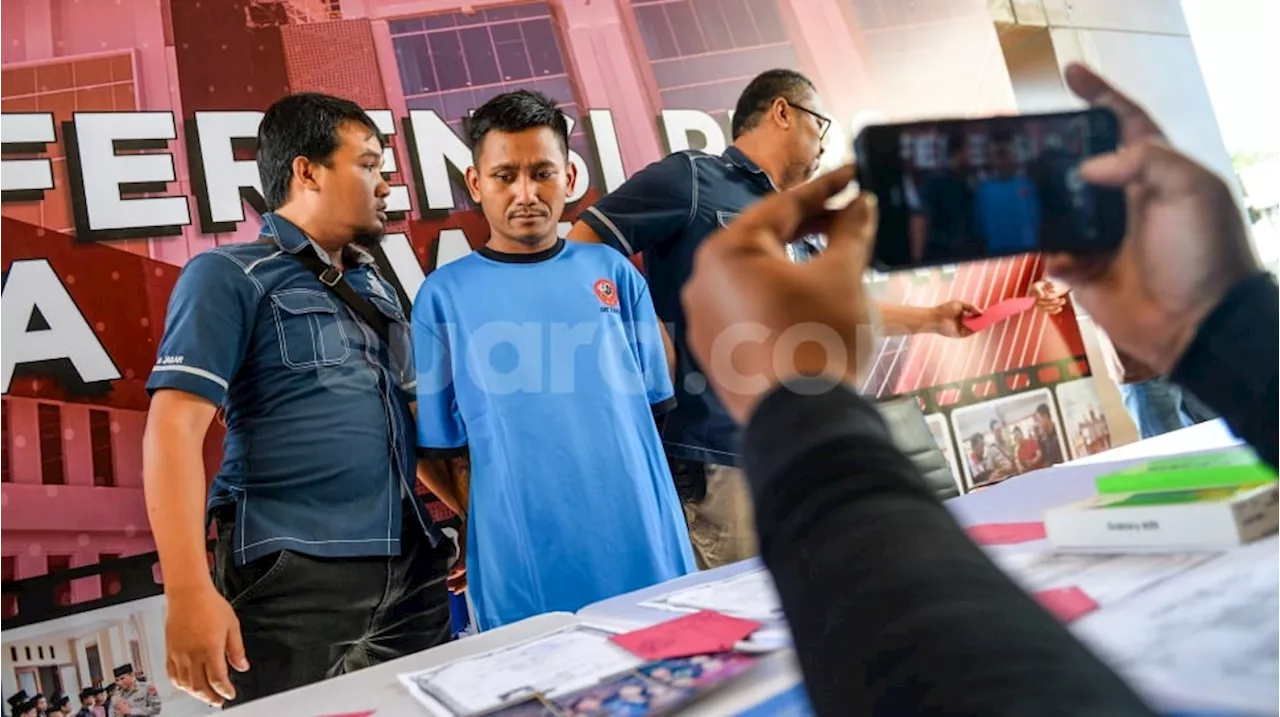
{"x":824,"y":122}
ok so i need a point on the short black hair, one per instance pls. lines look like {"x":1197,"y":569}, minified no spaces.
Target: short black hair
{"x":302,"y":125}
{"x":516,"y":112}
{"x":762,"y":90}
{"x":1002,"y":136}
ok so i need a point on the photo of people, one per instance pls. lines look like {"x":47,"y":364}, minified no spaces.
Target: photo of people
{"x":942,"y":436}
{"x":110,"y":661}
{"x":1008,"y":436}
{"x":1086,"y":425}
{"x":996,"y":188}
{"x":653,"y":689}
{"x":700,"y":671}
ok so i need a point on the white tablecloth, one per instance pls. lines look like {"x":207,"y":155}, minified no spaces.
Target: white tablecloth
{"x":1020,"y":499}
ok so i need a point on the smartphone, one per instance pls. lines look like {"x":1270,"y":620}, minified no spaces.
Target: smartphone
{"x":952,"y":191}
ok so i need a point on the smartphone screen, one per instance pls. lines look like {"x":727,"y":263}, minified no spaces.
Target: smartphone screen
{"x":960,"y":190}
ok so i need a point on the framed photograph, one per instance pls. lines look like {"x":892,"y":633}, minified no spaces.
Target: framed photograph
{"x":1008,"y":436}
{"x":1086,"y":426}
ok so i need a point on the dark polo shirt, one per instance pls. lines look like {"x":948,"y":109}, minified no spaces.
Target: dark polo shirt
{"x":665,"y":211}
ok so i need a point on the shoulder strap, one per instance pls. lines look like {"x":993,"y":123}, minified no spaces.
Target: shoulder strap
{"x":331,"y":277}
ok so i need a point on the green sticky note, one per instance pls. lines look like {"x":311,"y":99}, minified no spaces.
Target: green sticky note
{"x":1237,"y":467}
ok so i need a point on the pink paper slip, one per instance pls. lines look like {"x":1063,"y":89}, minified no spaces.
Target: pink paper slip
{"x":697,"y":634}
{"x":1066,"y":604}
{"x":1005,"y":533}
{"x":996,"y":313}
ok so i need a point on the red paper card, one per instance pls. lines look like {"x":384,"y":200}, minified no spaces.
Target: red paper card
{"x":1066,"y":604}
{"x":697,"y":634}
{"x":1005,"y":533}
{"x":999,"y":312}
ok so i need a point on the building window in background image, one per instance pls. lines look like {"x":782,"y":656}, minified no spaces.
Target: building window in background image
{"x":49,"y":423}
{"x":9,"y":574}
{"x":454,"y":62}
{"x":702,"y":53}
{"x":104,"y":471}
{"x":61,"y":591}
{"x":110,"y":581}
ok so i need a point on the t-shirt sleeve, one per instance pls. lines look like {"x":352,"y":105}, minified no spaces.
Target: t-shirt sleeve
{"x":650,"y":208}
{"x":207,"y":328}
{"x":649,"y":349}
{"x":441,"y":432}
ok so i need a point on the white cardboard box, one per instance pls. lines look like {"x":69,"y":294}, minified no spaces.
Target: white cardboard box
{"x":1201,"y":519}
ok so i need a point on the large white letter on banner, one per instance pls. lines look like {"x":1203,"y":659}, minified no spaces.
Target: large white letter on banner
{"x":26,"y":178}
{"x":227,"y":180}
{"x":677,"y":125}
{"x":31,"y":285}
{"x":104,"y":175}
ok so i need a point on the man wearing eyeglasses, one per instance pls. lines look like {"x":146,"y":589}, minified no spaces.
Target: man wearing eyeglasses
{"x":665,"y":211}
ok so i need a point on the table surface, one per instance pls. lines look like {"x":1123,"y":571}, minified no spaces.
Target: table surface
{"x":1019,"y":499}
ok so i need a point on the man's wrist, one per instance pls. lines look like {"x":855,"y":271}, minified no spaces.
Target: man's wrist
{"x":187,"y":581}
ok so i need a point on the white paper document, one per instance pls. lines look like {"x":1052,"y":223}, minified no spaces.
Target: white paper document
{"x":1107,"y":579}
{"x":558,"y":663}
{"x":1210,"y":637}
{"x":750,"y":595}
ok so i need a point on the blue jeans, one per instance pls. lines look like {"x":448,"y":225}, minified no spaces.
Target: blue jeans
{"x":1156,"y":406}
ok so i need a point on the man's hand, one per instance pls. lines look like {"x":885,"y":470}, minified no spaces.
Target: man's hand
{"x":202,"y":635}
{"x":756,"y":319}
{"x":949,"y":318}
{"x":1050,"y":298}
{"x":457,"y":581}
{"x":1186,"y":245}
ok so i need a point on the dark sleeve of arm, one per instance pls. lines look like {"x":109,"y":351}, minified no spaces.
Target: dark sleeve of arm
{"x":894,"y":611}
{"x":1231,"y":363}
{"x":651,"y":207}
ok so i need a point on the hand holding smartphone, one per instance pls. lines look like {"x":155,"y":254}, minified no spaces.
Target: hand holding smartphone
{"x":963,"y":190}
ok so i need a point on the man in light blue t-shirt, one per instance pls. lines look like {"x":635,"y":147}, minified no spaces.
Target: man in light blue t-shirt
{"x":542,"y":362}
{"x":1007,"y":206}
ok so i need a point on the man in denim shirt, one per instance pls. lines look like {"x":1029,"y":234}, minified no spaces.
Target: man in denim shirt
{"x":324,"y":562}
{"x":666,"y":210}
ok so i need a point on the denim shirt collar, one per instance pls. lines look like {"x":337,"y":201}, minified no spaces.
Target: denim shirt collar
{"x":292,"y":240}
{"x":739,"y":159}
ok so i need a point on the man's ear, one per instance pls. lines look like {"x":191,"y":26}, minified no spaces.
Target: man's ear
{"x":305,"y":172}
{"x":570,"y":178}
{"x":473,"y":183}
{"x":781,"y":112}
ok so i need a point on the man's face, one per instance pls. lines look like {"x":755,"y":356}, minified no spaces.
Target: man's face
{"x":42,"y":705}
{"x":1003,"y":159}
{"x":521,"y":180}
{"x":805,"y":139}
{"x":126,"y":681}
{"x":353,"y":192}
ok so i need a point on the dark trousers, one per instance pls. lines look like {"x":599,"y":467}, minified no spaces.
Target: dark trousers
{"x":305,"y":619}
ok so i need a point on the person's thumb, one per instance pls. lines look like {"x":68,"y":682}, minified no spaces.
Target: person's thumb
{"x":235,"y":649}
{"x":852,"y":233}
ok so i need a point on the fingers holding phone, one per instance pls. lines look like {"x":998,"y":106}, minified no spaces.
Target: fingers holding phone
{"x":1184,"y":247}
